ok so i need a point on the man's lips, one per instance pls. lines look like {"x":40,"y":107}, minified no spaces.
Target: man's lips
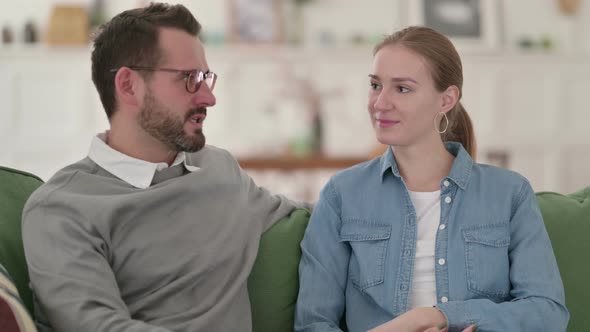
{"x":197,"y":116}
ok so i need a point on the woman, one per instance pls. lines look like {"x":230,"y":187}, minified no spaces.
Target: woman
{"x":423,"y":238}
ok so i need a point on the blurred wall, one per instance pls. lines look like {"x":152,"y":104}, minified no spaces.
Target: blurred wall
{"x":531,"y":18}
{"x":529,"y":106}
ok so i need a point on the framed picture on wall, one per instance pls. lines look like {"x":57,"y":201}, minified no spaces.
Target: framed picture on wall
{"x":472,"y":25}
{"x":256,"y":21}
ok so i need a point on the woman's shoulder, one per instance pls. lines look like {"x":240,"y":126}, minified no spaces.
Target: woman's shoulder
{"x":495,"y":175}
{"x":359,"y":172}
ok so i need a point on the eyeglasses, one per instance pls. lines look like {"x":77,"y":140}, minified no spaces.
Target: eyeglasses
{"x":192,"y":78}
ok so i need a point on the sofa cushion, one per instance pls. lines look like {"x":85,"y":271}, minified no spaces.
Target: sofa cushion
{"x":274,"y":281}
{"x":14,"y":317}
{"x":15,"y":189}
{"x":567,"y":219}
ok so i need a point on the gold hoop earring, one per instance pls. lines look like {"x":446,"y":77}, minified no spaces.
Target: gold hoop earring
{"x":436,"y":120}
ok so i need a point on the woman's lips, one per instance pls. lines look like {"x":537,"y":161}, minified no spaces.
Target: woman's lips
{"x":382,"y":123}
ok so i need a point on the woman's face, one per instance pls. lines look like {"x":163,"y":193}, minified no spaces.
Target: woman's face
{"x":403,"y":100}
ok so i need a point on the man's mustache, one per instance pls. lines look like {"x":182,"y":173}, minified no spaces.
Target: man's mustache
{"x":200,"y":110}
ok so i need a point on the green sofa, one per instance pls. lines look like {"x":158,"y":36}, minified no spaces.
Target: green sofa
{"x":273,"y":283}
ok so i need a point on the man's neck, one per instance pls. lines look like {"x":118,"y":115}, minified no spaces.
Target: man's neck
{"x":142,"y":147}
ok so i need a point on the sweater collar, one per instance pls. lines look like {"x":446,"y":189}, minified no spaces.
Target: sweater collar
{"x":138,"y":173}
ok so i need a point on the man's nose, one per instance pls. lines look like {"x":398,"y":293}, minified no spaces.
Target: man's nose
{"x":204,"y":96}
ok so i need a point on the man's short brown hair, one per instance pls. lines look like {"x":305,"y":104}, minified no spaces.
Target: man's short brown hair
{"x":131,"y":39}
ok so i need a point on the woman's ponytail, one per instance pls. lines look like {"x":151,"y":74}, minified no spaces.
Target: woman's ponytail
{"x":460,"y":129}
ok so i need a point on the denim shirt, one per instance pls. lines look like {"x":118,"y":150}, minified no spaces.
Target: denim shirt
{"x":494,"y":263}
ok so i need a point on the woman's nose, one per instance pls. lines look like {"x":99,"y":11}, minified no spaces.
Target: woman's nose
{"x":383,"y":102}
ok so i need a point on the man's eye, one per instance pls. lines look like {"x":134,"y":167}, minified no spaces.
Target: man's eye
{"x":403,"y":89}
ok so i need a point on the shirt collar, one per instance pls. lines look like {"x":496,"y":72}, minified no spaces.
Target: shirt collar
{"x":460,"y":171}
{"x":138,"y":173}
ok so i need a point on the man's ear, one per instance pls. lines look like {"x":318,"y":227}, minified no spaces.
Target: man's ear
{"x":128,"y":85}
{"x":450,"y":97}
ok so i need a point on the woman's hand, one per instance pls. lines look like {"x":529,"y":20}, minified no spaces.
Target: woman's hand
{"x":416,"y":320}
{"x":422,"y":319}
{"x":470,"y":328}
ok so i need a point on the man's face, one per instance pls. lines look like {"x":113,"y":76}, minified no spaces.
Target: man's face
{"x":169,"y":112}
{"x":168,"y":127}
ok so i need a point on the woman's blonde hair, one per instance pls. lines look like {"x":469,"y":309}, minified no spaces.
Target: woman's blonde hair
{"x":446,"y":70}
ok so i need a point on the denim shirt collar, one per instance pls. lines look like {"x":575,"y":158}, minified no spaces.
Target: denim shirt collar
{"x":460,"y":172}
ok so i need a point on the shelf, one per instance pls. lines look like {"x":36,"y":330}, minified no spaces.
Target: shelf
{"x":361,"y":53}
{"x":293,"y":164}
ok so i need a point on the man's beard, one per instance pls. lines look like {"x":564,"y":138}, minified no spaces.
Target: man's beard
{"x":165,"y":126}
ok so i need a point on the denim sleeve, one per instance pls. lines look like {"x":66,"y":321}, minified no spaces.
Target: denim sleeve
{"x":538,"y":297}
{"x":323,"y":268}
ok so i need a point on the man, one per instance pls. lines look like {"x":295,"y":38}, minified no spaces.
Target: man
{"x":154,"y":230}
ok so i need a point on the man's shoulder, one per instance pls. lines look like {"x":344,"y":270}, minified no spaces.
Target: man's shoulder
{"x":210,"y":154}
{"x":62,"y":181}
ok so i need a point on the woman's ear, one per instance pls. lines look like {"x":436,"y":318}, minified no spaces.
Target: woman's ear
{"x":128,"y":87}
{"x":450,"y":97}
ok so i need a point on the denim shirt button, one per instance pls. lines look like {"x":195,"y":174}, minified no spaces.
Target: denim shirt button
{"x":441,"y":261}
{"x":442,"y":226}
{"x":446,"y":183}
{"x":448,"y":199}
{"x":407,"y":252}
{"x":404,"y":287}
{"x":444,"y":299}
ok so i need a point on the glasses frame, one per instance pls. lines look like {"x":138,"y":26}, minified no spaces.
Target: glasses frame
{"x":209,"y":77}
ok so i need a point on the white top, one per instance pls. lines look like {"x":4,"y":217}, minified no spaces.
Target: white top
{"x":138,"y":173}
{"x":423,"y":290}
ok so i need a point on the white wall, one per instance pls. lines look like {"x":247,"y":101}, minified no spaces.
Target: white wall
{"x":531,"y":105}
{"x":532,"y":18}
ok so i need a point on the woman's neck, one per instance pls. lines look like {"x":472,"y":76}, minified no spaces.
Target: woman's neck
{"x":423,"y":167}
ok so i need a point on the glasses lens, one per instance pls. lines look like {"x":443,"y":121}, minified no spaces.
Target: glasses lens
{"x":211,"y":80}
{"x":195,"y":79}
{"x":192,"y":82}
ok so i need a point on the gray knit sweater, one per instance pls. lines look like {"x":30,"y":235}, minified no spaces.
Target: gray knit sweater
{"x":106,"y":256}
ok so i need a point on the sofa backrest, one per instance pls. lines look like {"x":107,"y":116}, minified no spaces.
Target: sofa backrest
{"x":567,"y":218}
{"x":274,"y":282}
{"x":15,"y":188}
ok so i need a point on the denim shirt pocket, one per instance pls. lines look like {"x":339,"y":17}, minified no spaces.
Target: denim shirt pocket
{"x":368,"y":243}
{"x":488,"y":264}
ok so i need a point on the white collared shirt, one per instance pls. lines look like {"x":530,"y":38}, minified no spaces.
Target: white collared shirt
{"x":138,"y":173}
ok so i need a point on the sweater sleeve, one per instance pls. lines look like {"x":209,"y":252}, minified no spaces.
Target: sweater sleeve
{"x":266,"y":206}
{"x":263,"y":205}
{"x":70,"y":274}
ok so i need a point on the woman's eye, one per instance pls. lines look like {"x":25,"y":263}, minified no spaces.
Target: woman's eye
{"x":403,"y":89}
{"x":374,"y":86}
